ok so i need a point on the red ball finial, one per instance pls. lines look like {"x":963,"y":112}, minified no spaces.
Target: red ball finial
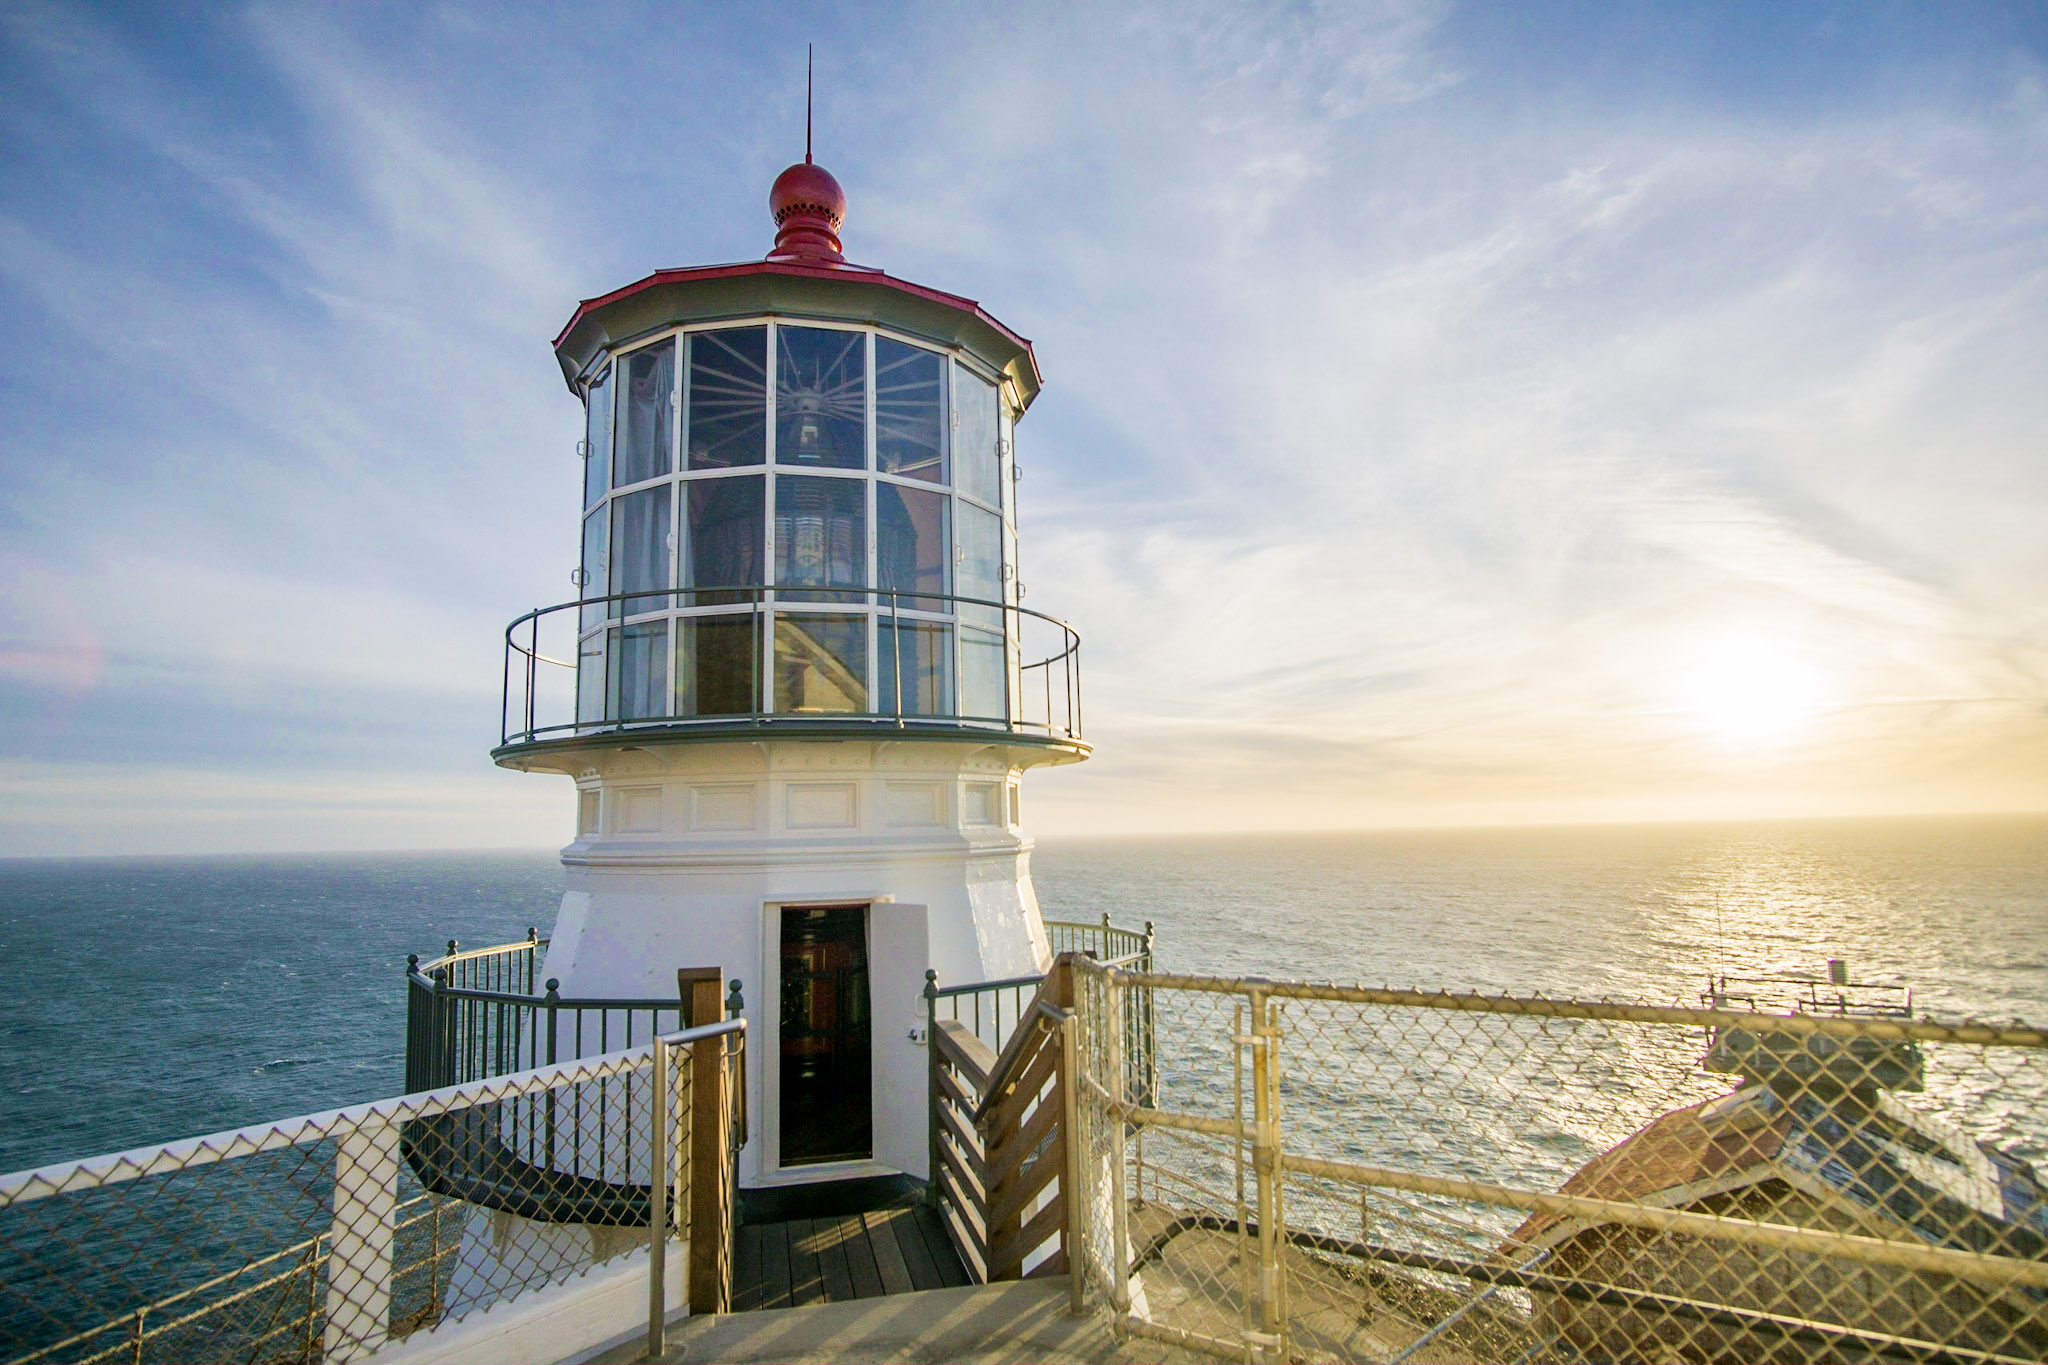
{"x":808,"y":206}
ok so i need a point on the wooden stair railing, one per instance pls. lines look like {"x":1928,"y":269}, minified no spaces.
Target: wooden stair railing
{"x":999,"y":1137}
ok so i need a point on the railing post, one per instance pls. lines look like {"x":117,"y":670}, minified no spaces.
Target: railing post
{"x":710,"y":1180}
{"x":1265,"y":1041}
{"x":735,"y":1005}
{"x":896,"y":649}
{"x":1148,"y":1042}
{"x":1074,"y":690}
{"x":931,"y":1089}
{"x":533,"y":662}
{"x":414,"y":1024}
{"x":660,"y":1177}
{"x":1119,"y":1208}
{"x":548,"y":1100}
{"x":1073,"y":1238}
{"x":443,"y":1033}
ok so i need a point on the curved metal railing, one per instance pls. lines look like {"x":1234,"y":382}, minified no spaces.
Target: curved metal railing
{"x":1041,"y":698}
{"x":475,"y":1013}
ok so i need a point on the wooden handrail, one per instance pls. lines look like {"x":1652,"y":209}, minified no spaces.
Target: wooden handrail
{"x":1001,"y":1132}
{"x":964,"y":1052}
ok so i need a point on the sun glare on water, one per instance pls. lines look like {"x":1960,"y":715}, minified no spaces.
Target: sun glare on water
{"x":1750,"y":689}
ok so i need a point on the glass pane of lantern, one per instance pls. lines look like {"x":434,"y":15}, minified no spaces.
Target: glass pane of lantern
{"x":979,"y":563}
{"x":977,"y":469}
{"x":728,"y":526}
{"x":821,"y":536}
{"x":590,"y":680}
{"x":821,"y":398}
{"x":910,"y":530}
{"x":639,"y":671}
{"x":646,"y":415}
{"x":597,"y":431}
{"x":821,"y":661}
{"x":982,"y":694}
{"x":640,"y":527}
{"x":910,"y":411}
{"x":728,"y":398}
{"x":922,"y":653}
{"x":717,"y":664}
{"x":595,"y":557}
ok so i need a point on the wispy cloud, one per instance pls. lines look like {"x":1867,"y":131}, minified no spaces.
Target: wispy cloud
{"x":1414,"y":411}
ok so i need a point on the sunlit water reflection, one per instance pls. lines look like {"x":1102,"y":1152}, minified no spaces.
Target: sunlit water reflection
{"x":1958,"y":909}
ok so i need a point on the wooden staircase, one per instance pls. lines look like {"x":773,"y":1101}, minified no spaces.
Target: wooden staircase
{"x":999,"y":1151}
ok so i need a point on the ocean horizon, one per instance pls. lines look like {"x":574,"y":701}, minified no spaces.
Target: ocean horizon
{"x":164,"y":996}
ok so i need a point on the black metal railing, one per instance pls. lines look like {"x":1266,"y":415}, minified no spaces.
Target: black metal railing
{"x":472,"y":1015}
{"x":991,"y":1009}
{"x":1041,"y":692}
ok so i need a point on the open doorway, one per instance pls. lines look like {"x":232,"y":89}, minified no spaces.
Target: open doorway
{"x":827,"y":1071}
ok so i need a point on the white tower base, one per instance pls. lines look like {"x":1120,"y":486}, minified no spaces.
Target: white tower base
{"x":687,"y":855}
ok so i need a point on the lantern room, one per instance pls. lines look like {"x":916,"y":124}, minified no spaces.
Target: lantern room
{"x":797,"y":508}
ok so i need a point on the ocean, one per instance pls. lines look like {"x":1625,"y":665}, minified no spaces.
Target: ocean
{"x":165,"y":997}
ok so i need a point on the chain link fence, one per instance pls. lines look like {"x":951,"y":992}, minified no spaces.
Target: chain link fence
{"x":1299,"y":1172}
{"x":326,"y":1237}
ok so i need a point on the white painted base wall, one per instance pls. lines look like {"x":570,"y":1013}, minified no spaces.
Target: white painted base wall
{"x":688,"y":852}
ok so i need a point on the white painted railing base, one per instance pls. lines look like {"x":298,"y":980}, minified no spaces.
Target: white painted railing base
{"x":561,"y":1323}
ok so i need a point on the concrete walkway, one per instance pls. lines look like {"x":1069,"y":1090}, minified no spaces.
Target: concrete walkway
{"x":1015,"y":1323}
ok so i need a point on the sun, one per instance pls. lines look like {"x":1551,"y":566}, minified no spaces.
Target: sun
{"x":1750,"y":688}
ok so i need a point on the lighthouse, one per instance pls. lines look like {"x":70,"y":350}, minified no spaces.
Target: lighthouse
{"x":798,"y":689}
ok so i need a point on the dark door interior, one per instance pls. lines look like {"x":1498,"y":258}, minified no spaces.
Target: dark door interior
{"x":826,"y":1066}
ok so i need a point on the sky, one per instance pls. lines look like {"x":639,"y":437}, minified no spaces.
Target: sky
{"x":1454,"y":413}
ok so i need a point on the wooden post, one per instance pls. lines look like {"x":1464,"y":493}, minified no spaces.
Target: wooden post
{"x":703,"y":992}
{"x":710,"y":1179}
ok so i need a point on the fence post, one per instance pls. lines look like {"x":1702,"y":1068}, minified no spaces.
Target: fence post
{"x":1266,"y":1168}
{"x":931,"y":1088}
{"x":359,"y":1255}
{"x":660,"y":1177}
{"x":710,"y":1179}
{"x":1119,"y":1205}
{"x":1070,"y":1123}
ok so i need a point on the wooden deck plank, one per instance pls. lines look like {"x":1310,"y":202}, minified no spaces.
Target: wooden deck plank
{"x":748,"y":1283}
{"x":920,"y":1226}
{"x":889,"y":1262}
{"x":902,"y":1229}
{"x":775,"y":1265}
{"x":936,"y":1240}
{"x":825,"y":1234}
{"x":860,"y":1258}
{"x":806,"y":1276}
